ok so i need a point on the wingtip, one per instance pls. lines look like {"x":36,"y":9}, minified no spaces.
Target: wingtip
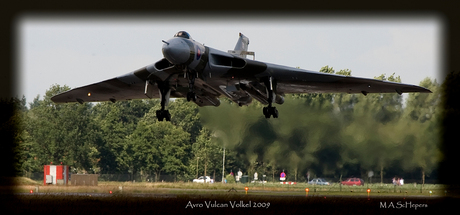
{"x":58,"y":99}
{"x":426,"y":90}
{"x":53,"y":99}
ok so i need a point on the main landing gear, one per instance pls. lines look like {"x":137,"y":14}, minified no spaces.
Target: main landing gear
{"x":270,"y":110}
{"x":191,"y":95}
{"x":163,"y":114}
{"x":165,"y":92}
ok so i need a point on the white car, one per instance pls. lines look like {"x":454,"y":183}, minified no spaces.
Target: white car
{"x":318,"y":181}
{"x":201,"y":179}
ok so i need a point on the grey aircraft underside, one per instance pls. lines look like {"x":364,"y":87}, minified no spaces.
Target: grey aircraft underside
{"x":203,"y":74}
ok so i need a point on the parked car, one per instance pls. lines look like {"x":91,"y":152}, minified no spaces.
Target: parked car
{"x":202,"y":180}
{"x":353,"y":182}
{"x":318,"y":181}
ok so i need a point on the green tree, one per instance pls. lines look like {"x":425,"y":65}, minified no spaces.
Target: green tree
{"x":368,"y":135}
{"x":344,"y":103}
{"x":187,"y":116}
{"x":327,"y":69}
{"x":158,"y":147}
{"x":114,"y":131}
{"x":317,"y":100}
{"x":208,"y":153}
{"x":117,"y":121}
{"x":25,"y":160}
{"x":383,"y":107}
{"x":64,"y":132}
{"x":423,"y":125}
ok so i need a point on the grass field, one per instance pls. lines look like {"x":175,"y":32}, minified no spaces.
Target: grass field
{"x":377,"y":189}
{"x":216,"y":198}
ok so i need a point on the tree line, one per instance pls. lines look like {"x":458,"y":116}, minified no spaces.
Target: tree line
{"x":330,"y":135}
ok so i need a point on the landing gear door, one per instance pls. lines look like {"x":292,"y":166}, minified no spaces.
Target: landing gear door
{"x":148,"y":89}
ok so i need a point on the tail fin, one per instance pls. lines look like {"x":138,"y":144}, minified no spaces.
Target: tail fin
{"x":241,"y":48}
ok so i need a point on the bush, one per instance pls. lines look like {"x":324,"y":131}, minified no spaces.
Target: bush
{"x":230,"y":178}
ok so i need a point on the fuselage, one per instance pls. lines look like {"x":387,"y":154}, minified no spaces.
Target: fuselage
{"x":234,"y":77}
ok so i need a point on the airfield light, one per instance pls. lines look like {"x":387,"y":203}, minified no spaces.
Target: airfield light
{"x":246,"y":188}
{"x":368,"y":191}
{"x":31,"y":191}
{"x":110,"y":192}
{"x":306,"y":192}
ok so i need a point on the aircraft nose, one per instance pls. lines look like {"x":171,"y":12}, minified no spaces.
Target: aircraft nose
{"x":176,"y":51}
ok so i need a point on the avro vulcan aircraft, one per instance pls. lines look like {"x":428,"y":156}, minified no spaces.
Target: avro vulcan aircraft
{"x":203,"y":74}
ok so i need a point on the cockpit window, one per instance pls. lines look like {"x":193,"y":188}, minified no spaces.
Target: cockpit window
{"x":182,"y":34}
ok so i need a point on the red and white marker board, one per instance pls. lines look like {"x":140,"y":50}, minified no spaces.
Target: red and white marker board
{"x":55,"y":174}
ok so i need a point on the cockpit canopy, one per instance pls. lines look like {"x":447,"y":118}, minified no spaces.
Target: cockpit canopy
{"x":183,"y":34}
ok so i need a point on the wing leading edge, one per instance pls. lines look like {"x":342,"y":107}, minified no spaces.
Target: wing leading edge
{"x":141,"y":84}
{"x":291,"y":80}
{"x":121,"y":88}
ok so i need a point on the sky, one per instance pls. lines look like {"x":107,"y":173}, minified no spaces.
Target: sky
{"x":81,"y":50}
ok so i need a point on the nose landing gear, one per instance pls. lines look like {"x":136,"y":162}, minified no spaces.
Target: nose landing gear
{"x":191,"y":95}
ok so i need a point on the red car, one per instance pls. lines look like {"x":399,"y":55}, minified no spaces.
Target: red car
{"x":353,"y":181}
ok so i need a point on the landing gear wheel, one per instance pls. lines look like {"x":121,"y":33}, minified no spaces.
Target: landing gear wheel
{"x":275,"y":112}
{"x":163,"y":114}
{"x":191,"y":96}
{"x":160,"y":115}
{"x":269,"y":111}
{"x":266,"y":113}
{"x":167,"y":116}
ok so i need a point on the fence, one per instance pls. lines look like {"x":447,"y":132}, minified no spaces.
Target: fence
{"x":139,"y":178}
{"x":84,"y":180}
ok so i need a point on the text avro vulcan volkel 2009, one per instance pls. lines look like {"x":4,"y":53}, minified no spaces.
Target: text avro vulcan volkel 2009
{"x":203,"y":74}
